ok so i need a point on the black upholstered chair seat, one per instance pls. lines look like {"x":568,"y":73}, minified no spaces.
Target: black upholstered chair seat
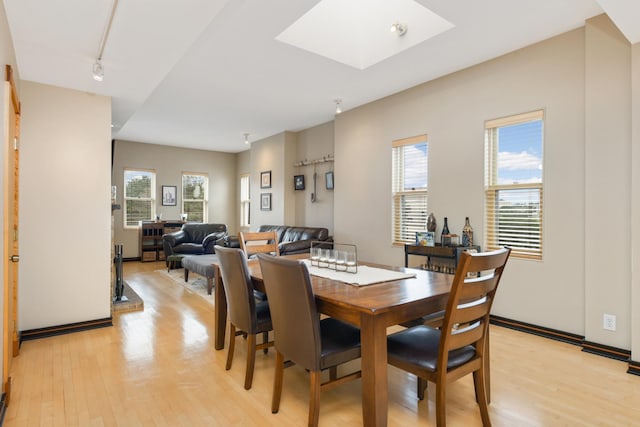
{"x":340,"y":343}
{"x":419,"y":346}
{"x":263,"y":317}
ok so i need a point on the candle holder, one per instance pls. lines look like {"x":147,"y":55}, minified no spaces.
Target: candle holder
{"x":334,"y":256}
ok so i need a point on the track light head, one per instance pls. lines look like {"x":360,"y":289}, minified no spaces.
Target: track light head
{"x":98,"y":71}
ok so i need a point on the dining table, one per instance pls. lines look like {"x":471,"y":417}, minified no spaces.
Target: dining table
{"x":373,"y":308}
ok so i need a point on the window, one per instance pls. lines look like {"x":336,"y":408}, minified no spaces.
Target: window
{"x":409,"y":172}
{"x":245,"y":201}
{"x":139,"y":196}
{"x":513,"y":184}
{"x":195,"y":195}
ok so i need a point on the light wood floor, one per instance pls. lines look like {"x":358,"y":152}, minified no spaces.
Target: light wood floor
{"x":157,"y":367}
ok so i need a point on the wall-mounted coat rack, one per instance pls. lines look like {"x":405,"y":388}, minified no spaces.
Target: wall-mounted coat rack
{"x":305,"y":162}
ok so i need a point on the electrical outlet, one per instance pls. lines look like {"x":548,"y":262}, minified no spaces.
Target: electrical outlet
{"x":609,"y":322}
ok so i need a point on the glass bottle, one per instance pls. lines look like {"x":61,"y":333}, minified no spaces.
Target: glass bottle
{"x":445,"y":231}
{"x":467,"y":233}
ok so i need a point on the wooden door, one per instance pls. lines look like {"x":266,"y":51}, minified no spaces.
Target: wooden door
{"x":11,"y":108}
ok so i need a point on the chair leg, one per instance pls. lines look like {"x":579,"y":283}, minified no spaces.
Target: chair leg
{"x":422,"y":386}
{"x":232,"y":345}
{"x":186,"y":275}
{"x":251,"y":360}
{"x":441,"y":408}
{"x":277,"y":383}
{"x":481,"y":396}
{"x":314,"y":400}
{"x":333,"y":373}
{"x":265,"y":339}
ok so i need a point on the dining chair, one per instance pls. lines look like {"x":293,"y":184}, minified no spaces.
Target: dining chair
{"x":246,"y":314}
{"x":459,"y":347}
{"x":254,"y":242}
{"x":300,"y":336}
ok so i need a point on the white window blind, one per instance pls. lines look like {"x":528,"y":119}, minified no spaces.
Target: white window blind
{"x":409,"y":186}
{"x":245,"y":201}
{"x":195,"y":195}
{"x":139,"y":196}
{"x":514,"y":184}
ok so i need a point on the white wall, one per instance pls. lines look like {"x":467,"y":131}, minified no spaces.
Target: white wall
{"x":169,"y":163}
{"x":65,"y":207}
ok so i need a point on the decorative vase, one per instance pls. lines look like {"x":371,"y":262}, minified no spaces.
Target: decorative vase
{"x":467,"y":233}
{"x":431,"y":222}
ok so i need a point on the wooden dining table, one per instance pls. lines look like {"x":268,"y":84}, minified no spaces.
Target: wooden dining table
{"x":372,"y":308}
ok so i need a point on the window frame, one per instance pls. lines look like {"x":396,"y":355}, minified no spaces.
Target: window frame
{"x":245,"y":200}
{"x":204,"y":201}
{"x":523,"y":246}
{"x":126,"y":198}
{"x":402,"y":231}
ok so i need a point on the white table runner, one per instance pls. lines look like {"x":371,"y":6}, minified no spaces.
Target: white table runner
{"x":365,"y":276}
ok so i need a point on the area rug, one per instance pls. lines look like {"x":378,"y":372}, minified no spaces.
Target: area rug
{"x":133,"y":301}
{"x":196,"y":284}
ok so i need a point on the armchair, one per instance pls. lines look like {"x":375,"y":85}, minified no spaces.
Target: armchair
{"x":194,"y":239}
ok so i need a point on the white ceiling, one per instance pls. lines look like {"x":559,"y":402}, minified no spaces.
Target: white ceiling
{"x":201,"y":73}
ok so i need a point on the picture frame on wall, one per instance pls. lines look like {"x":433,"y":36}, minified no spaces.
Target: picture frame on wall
{"x":265,"y":201}
{"x":298,"y":182}
{"x":169,"y":195}
{"x":328,"y":179}
{"x":265,"y":179}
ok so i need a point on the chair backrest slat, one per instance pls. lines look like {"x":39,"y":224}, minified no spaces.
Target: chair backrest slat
{"x":467,"y":314}
{"x":259,"y":242}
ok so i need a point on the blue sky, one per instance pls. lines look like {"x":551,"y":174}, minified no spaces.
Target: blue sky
{"x":520,"y":153}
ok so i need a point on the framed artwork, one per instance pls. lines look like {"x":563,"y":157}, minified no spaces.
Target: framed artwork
{"x":265,"y":201}
{"x":298,"y":182}
{"x":425,"y":238}
{"x":328,"y":178}
{"x":169,"y":195}
{"x":265,"y":179}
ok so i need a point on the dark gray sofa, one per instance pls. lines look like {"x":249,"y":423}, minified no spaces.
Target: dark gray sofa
{"x":291,"y":240}
{"x":194,"y":239}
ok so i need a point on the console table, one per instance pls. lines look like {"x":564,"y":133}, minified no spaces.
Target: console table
{"x":151,"y":233}
{"x":439,"y":258}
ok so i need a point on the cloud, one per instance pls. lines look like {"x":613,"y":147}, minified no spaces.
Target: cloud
{"x":518,"y":161}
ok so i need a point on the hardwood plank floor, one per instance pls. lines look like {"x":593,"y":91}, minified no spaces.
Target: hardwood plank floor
{"x":157,"y":367}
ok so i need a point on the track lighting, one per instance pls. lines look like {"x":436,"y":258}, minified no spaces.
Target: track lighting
{"x":399,"y":29}
{"x":338,"y":102}
{"x":98,"y":71}
{"x":246,"y":138}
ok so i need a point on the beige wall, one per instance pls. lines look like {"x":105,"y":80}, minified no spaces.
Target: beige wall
{"x":314,"y":143}
{"x":65,"y":215}
{"x":608,"y":181}
{"x":169,"y":164}
{"x":452,"y":111}
{"x":582,"y":81}
{"x":635,"y":202}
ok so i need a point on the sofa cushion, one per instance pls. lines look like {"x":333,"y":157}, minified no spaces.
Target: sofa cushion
{"x":197,"y":232}
{"x":189,"y":248}
{"x":294,"y":234}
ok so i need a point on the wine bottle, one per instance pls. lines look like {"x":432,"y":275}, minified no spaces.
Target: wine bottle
{"x":467,"y":233}
{"x":445,"y":231}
